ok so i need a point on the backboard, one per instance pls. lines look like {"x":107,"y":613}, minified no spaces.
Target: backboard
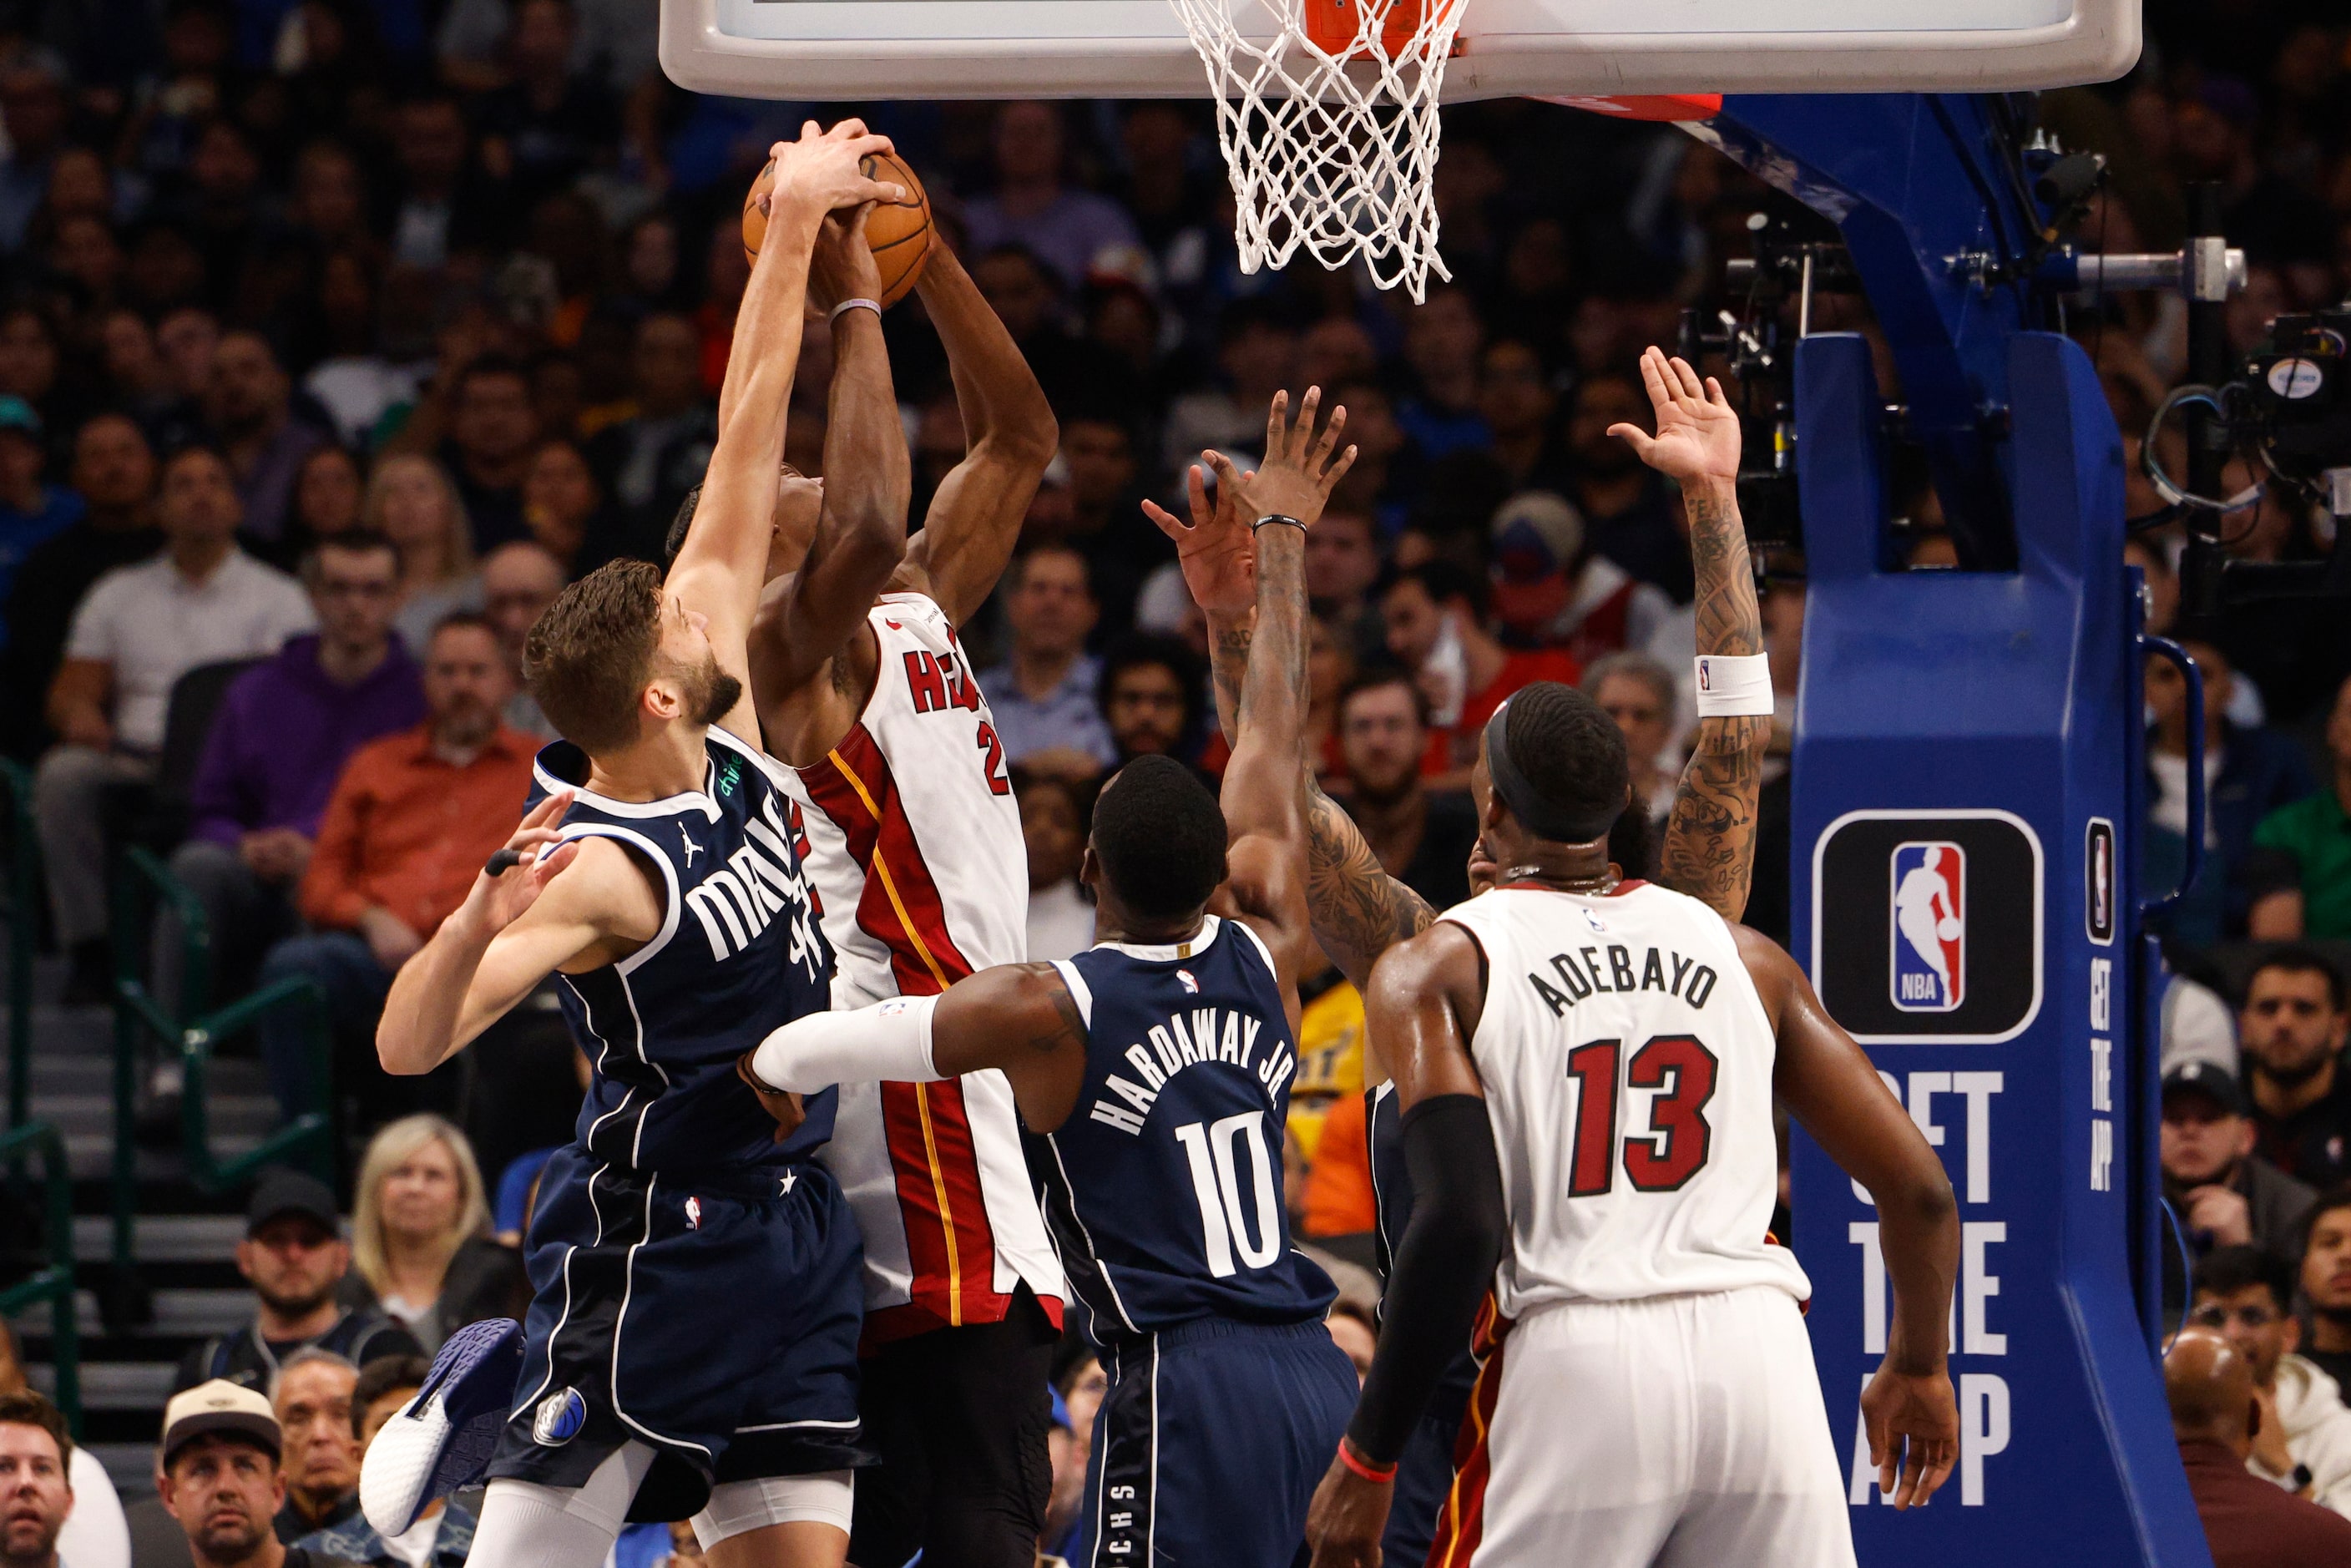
{"x":834,"y":50}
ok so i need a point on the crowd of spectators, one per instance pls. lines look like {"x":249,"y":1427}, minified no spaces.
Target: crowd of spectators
{"x":336,"y":336}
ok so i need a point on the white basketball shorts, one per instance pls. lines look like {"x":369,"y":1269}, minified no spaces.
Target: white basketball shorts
{"x":1681,"y":1431}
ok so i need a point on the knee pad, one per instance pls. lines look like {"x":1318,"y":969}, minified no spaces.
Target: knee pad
{"x":737,"y":1508}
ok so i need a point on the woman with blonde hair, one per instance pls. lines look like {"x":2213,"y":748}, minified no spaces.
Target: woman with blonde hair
{"x":421,"y":1246}
{"x":410,"y":500}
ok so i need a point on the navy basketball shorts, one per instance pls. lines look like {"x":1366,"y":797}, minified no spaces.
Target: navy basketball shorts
{"x":711,"y":1315}
{"x":1209,"y":1445}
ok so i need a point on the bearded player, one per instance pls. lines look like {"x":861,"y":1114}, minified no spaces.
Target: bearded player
{"x":912,"y":845}
{"x":658,"y":878}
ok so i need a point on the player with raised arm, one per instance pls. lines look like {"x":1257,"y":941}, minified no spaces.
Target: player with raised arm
{"x":1360,"y":911}
{"x":915,"y":851}
{"x":1155,"y":1068}
{"x":658,"y":877}
{"x":1586,"y":1067}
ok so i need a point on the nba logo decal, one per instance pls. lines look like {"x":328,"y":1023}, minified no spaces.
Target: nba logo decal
{"x":2098,"y":874}
{"x":1930,"y":926}
{"x":560,"y":1416}
{"x":1190,"y":984}
{"x":694,"y":1214}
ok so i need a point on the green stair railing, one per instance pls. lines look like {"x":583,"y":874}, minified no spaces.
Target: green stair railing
{"x":141,"y":884}
{"x":54,"y":1282}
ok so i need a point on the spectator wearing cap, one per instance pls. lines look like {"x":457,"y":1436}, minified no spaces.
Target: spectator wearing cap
{"x":295,"y":1257}
{"x":2292,"y":1031}
{"x":2196,"y":1024}
{"x":36,"y":1493}
{"x":2326,"y":1283}
{"x":2248,"y":1522}
{"x":412,"y":820}
{"x":1067,"y":230}
{"x":2227,"y":1194}
{"x":1422,"y":837}
{"x":1042,"y":695}
{"x":218,"y":1473}
{"x":94,"y":1535}
{"x":31,"y":513}
{"x":1550,"y":590}
{"x":1434,"y":616}
{"x":279,"y":742}
{"x":2300,"y":866}
{"x":2246,"y":1296}
{"x":140,"y":629}
{"x":114,"y":473}
{"x":443,"y":1536}
{"x":312,"y":1394}
{"x":249,"y":409}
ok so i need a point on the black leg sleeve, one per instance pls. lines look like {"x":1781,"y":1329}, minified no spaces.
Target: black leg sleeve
{"x":1444,"y":1266}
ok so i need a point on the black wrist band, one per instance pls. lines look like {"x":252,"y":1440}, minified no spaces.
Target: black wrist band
{"x":1275,"y":518}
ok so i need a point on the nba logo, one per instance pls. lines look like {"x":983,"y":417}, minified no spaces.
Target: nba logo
{"x":1930,"y":926}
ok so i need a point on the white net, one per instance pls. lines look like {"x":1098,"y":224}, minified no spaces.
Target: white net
{"x":1334,"y":151}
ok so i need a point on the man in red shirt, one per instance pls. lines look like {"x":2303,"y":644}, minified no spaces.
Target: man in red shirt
{"x":2249,"y":1522}
{"x":410,"y":822}
{"x":1435,"y":620}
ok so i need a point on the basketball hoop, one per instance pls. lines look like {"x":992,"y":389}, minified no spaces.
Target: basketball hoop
{"x":1329,"y":128}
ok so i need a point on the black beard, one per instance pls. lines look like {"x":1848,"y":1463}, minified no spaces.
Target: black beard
{"x":2293,"y":1077}
{"x":295,"y":1306}
{"x":718,"y":699}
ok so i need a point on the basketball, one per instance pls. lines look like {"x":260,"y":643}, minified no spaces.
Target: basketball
{"x":899,"y":232}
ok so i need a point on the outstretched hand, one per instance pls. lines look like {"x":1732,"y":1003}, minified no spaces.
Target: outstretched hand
{"x":1214,"y":550}
{"x":822,"y":171}
{"x":843,"y":266}
{"x":540,"y":851}
{"x":1698,"y":430}
{"x":1296,"y":478}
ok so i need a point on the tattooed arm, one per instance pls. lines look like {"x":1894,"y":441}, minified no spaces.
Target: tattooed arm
{"x":1709,"y":841}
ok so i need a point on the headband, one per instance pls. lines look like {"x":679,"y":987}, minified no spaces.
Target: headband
{"x":1542,"y":819}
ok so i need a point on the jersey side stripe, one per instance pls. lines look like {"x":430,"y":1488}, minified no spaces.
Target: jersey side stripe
{"x":927,"y":1128}
{"x":1462,"y":1521}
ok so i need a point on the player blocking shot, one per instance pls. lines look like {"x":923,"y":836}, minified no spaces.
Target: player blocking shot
{"x":1155,"y":1069}
{"x":1586,"y":1067}
{"x":660,"y":879}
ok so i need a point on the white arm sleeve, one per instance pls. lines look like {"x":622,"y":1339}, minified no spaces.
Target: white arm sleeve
{"x":888,"y":1042}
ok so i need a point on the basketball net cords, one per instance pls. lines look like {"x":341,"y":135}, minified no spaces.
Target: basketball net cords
{"x":1336,"y":153}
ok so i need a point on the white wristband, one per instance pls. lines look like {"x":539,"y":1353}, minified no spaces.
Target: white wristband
{"x":873,"y":305}
{"x":888,"y":1042}
{"x":1732,"y":686}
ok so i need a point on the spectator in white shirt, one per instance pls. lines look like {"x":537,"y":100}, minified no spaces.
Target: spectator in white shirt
{"x":140,"y":629}
{"x":1053,"y":826}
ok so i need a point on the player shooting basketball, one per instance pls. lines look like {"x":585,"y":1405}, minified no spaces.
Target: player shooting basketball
{"x":913,"y":845}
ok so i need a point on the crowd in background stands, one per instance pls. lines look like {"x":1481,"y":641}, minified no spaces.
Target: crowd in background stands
{"x":336,"y":334}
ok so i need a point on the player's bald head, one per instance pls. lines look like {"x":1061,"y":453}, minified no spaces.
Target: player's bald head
{"x":2209,"y":1386}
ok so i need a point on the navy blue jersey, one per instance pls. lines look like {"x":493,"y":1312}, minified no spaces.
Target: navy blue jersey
{"x":1163,"y":1186}
{"x":740,"y":954}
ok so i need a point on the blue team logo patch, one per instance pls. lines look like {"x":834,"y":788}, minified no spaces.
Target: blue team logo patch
{"x":1930,"y":926}
{"x":560,"y":1417}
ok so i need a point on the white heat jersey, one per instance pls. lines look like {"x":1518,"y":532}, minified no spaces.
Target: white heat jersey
{"x":915,"y":849}
{"x":1627,"y":1059}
